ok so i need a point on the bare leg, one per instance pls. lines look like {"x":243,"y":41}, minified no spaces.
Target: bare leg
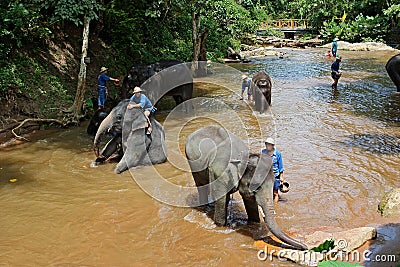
{"x":149,"y":129}
{"x":276,"y":196}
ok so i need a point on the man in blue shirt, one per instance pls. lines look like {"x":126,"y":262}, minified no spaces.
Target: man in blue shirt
{"x":334,"y":47}
{"x":246,"y":81}
{"x":139,"y":100}
{"x":277,"y":165}
{"x":335,"y":74}
{"x":102,"y":86}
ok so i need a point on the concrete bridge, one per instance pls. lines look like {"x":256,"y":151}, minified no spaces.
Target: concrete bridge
{"x":288,"y":26}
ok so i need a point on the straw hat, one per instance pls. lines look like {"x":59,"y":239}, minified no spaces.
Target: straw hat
{"x":284,"y":187}
{"x":339,"y":58}
{"x":270,"y":141}
{"x":244,"y":77}
{"x":103,"y":69}
{"x":137,"y":90}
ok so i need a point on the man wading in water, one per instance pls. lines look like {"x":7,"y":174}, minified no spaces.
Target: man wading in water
{"x":277,"y":165}
{"x":335,"y":74}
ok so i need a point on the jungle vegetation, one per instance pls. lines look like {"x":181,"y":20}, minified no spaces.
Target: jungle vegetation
{"x":145,"y":31}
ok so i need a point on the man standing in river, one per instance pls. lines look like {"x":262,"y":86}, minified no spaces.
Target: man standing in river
{"x":246,"y":82}
{"x":334,"y":47}
{"x":277,"y":165}
{"x":335,"y":74}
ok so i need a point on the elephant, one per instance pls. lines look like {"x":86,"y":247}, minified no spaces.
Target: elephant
{"x":393,"y":69}
{"x":261,"y":87}
{"x":128,"y":128}
{"x":221,"y":164}
{"x":165,"y":77}
{"x":98,"y":116}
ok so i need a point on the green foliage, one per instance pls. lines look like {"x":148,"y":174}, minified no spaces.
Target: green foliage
{"x":20,"y":24}
{"x":362,"y":29}
{"x":325,"y":247}
{"x":24,"y":78}
{"x":69,"y":10}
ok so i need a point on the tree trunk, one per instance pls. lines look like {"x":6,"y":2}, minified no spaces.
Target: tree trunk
{"x":202,"y":68}
{"x":196,"y":41}
{"x":81,"y":89}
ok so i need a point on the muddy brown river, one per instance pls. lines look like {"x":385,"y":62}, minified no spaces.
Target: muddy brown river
{"x":341,"y":152}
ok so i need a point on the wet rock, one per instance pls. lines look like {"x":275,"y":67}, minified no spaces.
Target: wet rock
{"x":367,"y":46}
{"x":346,"y":241}
{"x":390,"y":203}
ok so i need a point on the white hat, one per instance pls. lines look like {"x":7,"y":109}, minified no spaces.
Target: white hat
{"x":336,"y":39}
{"x":244,"y":77}
{"x":270,"y":141}
{"x":137,"y":90}
{"x":103,"y":69}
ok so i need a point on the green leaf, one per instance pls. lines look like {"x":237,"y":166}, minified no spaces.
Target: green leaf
{"x":326,"y":246}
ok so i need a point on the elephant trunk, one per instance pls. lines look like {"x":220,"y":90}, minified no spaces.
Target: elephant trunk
{"x":105,"y":125}
{"x":268,"y":209}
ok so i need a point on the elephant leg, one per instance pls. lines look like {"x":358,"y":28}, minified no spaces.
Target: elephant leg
{"x":221,"y":211}
{"x":220,"y":194}
{"x":251,"y":206}
{"x":201,"y":180}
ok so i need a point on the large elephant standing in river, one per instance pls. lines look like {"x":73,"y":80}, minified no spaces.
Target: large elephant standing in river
{"x":165,"y":77}
{"x":129,"y":128}
{"x":261,"y":87}
{"x":221,"y":164}
{"x":393,"y":69}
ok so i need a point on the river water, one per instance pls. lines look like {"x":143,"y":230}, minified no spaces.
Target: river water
{"x":340,"y":150}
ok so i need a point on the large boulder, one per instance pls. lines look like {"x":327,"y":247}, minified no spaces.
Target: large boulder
{"x":390,"y":203}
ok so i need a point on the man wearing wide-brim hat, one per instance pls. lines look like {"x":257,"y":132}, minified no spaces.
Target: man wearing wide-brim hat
{"x":139,"y":100}
{"x":102,"y":86}
{"x":277,"y":165}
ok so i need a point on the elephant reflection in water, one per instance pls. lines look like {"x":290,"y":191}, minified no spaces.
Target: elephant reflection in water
{"x":221,"y":164}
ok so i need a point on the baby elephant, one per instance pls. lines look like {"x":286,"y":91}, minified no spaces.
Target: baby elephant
{"x":261,"y":86}
{"x":221,"y":165}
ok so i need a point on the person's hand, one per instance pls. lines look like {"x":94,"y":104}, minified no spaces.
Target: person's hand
{"x":130,"y":106}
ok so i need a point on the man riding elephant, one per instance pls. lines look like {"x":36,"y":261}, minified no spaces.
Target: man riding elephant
{"x":128,"y":128}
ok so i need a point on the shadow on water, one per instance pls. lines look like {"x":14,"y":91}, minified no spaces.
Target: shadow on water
{"x":375,"y":143}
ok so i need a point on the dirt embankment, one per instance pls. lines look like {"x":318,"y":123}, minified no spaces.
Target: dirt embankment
{"x":51,"y":72}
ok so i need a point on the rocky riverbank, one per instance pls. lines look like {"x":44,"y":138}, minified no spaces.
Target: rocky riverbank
{"x":265,"y":46}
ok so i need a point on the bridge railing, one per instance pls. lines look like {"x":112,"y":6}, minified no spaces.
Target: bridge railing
{"x":284,"y":24}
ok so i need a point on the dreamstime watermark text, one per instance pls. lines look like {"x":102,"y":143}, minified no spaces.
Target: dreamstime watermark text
{"x":311,"y":258}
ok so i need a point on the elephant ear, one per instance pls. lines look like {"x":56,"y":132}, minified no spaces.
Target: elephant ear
{"x":262,"y":171}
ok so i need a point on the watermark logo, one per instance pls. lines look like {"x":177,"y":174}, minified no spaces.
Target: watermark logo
{"x":341,"y":252}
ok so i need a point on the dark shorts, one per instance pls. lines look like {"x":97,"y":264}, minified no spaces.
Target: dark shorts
{"x":335,"y":76}
{"x":277,"y":183}
{"x":152,"y":110}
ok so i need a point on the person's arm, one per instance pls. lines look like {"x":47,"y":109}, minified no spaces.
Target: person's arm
{"x":132,"y":104}
{"x":280,"y":166}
